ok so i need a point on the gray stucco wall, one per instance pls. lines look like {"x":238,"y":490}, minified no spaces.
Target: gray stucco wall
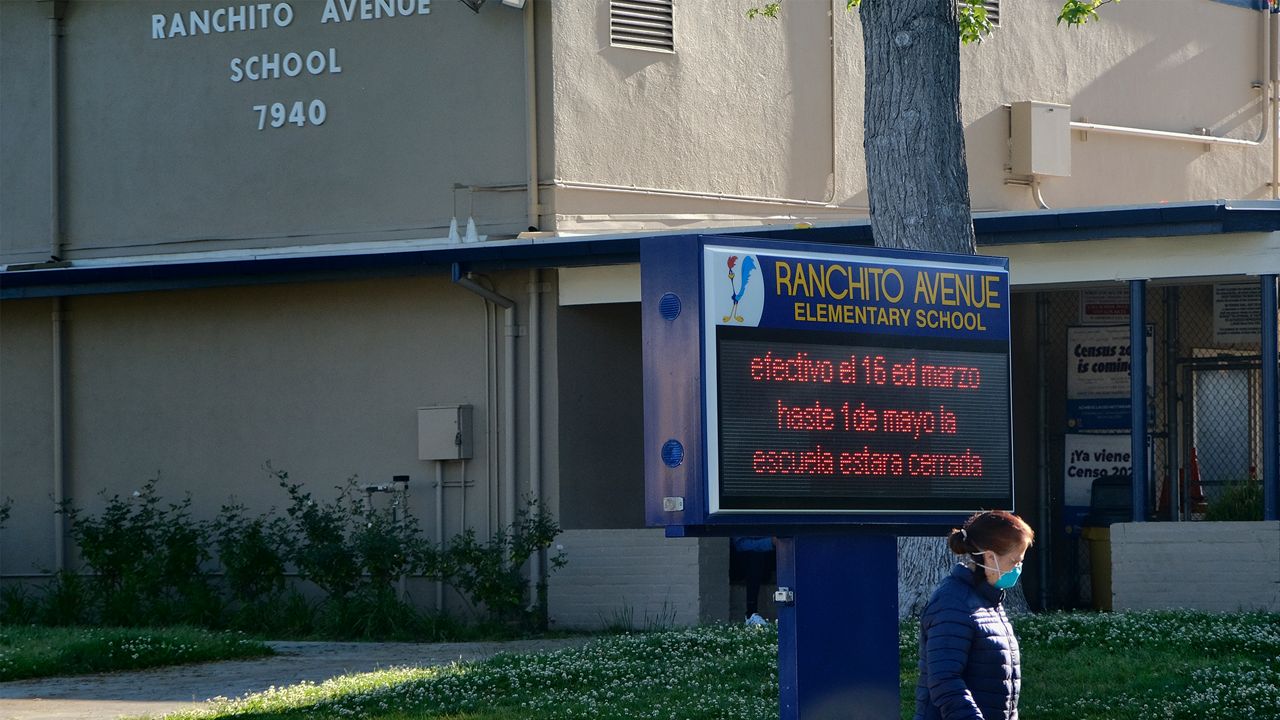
{"x":26,"y":435}
{"x":203,"y":387}
{"x":25,"y":148}
{"x":601,"y":416}
{"x":162,"y":149}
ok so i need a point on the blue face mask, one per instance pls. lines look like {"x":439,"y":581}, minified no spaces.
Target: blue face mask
{"x":1007,"y":579}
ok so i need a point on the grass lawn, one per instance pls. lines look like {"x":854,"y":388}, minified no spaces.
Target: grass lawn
{"x":32,"y":652}
{"x":1178,"y":665}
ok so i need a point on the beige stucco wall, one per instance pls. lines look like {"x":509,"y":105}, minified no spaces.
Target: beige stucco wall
{"x":745,"y":107}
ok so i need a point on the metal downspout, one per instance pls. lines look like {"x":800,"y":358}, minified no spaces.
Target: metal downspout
{"x":59,"y":438}
{"x":531,"y":116}
{"x":535,"y":421}
{"x":1271,"y":103}
{"x":439,"y":487}
{"x":57,"y":10}
{"x":509,"y":385}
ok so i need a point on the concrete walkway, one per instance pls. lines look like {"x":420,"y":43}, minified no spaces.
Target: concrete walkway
{"x":155,"y":692}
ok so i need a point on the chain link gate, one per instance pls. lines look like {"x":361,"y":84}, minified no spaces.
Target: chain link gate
{"x":1204,"y":413}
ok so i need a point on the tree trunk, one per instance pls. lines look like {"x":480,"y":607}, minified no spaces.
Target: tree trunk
{"x":918,"y":182}
{"x":917,"y":179}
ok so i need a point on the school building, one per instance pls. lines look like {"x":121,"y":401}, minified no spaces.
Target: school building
{"x":324,"y":234}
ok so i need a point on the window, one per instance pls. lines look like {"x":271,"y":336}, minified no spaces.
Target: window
{"x":641,"y":25}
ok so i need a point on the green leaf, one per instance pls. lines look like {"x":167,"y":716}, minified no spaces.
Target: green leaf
{"x":974,"y":23}
{"x":770,"y":10}
{"x":1079,"y":12}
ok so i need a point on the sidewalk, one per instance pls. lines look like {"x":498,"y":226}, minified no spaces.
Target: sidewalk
{"x":155,"y":692}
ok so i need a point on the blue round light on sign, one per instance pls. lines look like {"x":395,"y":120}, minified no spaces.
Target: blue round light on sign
{"x":672,"y":453}
{"x":669,"y":306}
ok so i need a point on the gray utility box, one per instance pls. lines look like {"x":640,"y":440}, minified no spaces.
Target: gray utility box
{"x":1040,"y":138}
{"x":444,"y":432}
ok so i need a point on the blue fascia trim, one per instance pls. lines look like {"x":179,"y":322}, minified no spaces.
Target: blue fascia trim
{"x":1247,"y":4}
{"x":992,"y":229}
{"x":251,"y":271}
{"x":1199,"y":218}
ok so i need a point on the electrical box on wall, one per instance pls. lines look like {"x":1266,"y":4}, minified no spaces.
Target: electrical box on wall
{"x":1041,"y":138}
{"x":444,"y":432}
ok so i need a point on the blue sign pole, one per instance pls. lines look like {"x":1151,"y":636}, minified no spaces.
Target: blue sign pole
{"x":1138,"y":395}
{"x":1270,"y":403}
{"x":838,"y":635}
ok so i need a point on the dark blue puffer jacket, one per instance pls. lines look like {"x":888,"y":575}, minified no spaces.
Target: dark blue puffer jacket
{"x":969,"y":662}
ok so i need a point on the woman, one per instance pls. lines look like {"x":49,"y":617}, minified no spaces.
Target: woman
{"x":969,"y":663}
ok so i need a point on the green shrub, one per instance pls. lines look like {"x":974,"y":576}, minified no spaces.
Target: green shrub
{"x":489,"y":573}
{"x":18,"y":606}
{"x":320,"y":549}
{"x":152,"y":563}
{"x":66,"y":601}
{"x":147,"y":558}
{"x":1239,"y":500}
{"x":251,"y":552}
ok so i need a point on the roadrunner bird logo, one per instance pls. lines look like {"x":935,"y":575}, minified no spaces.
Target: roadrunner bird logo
{"x":748,"y":264}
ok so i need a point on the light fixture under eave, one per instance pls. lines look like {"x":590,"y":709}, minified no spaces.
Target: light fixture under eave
{"x":517,"y":4}
{"x":474,"y":5}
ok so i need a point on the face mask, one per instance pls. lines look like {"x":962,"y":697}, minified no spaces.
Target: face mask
{"x":1007,"y":579}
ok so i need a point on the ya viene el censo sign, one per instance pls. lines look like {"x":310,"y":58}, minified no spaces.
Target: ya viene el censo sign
{"x":838,"y":383}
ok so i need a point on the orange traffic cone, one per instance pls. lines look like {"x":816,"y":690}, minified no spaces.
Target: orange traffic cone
{"x":1195,"y":491}
{"x":1162,"y":506}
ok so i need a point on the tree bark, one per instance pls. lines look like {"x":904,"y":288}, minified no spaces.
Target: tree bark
{"x":917,"y":179}
{"x":918,"y":182}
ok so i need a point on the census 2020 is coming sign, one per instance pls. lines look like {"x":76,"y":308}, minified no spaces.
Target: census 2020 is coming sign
{"x":849,"y":384}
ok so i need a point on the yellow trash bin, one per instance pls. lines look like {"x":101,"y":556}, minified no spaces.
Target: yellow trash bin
{"x":1099,"y":539}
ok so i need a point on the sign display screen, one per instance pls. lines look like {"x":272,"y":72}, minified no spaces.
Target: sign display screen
{"x":847,"y":385}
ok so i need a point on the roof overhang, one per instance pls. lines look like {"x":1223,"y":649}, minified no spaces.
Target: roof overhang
{"x":1046,"y":248}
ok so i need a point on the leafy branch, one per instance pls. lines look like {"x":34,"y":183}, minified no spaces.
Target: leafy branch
{"x":1079,"y":12}
{"x":972,"y":15}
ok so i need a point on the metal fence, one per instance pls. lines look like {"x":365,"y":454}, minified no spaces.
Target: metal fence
{"x":1204,"y":409}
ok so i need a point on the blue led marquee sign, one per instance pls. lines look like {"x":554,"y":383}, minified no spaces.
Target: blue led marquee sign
{"x":834,"y":384}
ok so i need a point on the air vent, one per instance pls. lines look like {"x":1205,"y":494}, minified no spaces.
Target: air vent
{"x":993,"y":10}
{"x":641,"y":25}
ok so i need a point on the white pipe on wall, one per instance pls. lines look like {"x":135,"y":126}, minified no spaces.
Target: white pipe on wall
{"x":462,"y":494}
{"x":512,"y":331}
{"x":59,"y":436}
{"x":1267,"y":58}
{"x":535,"y":418}
{"x":1160,"y":134}
{"x":55,"y":159}
{"x":531,"y":116}
{"x":1272,"y":74}
{"x":440,"y":528}
{"x":509,"y":415}
{"x":58,"y":429}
